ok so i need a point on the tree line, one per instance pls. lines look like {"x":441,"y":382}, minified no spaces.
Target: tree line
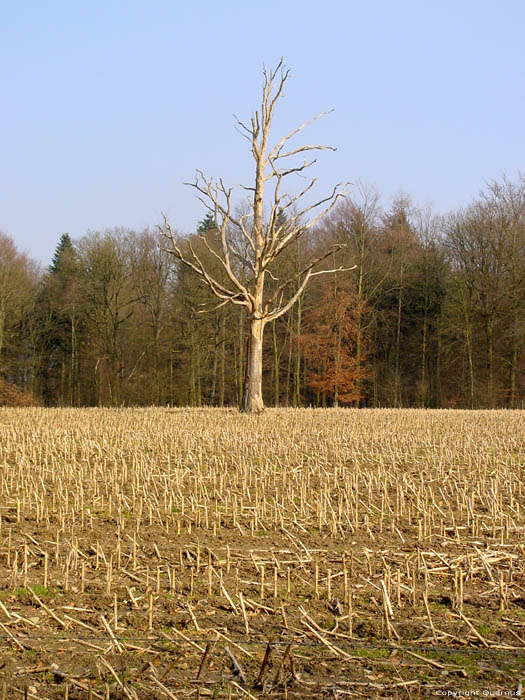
{"x":421,"y":311}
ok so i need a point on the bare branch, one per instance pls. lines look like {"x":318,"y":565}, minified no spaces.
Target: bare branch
{"x":301,"y":149}
{"x":308,"y":270}
{"x":220,"y":291}
{"x":250,"y":241}
{"x":284,"y":173}
{"x":210,"y":193}
{"x":277,"y":313}
{"x":274,"y":153}
{"x":249,"y":132}
{"x":214,"y":308}
{"x":335,"y":269}
{"x":281,"y":243}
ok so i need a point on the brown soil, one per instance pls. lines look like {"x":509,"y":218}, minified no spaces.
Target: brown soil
{"x":436,"y":607}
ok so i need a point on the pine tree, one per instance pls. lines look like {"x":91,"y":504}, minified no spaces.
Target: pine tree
{"x":207,"y":224}
{"x":59,"y":310}
{"x":63,"y":257}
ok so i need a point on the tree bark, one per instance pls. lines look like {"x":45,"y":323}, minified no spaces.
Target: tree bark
{"x":252,"y":399}
{"x":215,"y":360}
{"x":171,"y":377}
{"x":198,"y":397}
{"x":489,"y":330}
{"x":223,"y":360}
{"x":359,"y":324}
{"x":72,"y":377}
{"x":297,"y":373}
{"x":468,"y":342}
{"x":438,"y":392}
{"x":513,"y":361}
{"x":397,"y":378}
{"x":192,"y":367}
{"x":289,"y":365}
{"x":276,"y":358}
{"x":241,"y":355}
{"x":424,"y":344}
{"x":266,"y":241}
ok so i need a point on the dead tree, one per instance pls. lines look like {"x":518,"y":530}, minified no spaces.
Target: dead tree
{"x":251,"y":242}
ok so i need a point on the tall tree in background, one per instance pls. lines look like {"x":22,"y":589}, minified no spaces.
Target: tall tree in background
{"x":355,"y":223}
{"x":63,"y":256}
{"x":110,"y":300}
{"x":329,"y":346}
{"x":433,"y":315}
{"x":399,"y":245}
{"x":208,"y":227}
{"x":425,"y":302}
{"x":18,"y":279}
{"x":506,"y":203}
{"x":247,"y":241}
{"x":59,"y":307}
{"x":152,"y":276}
{"x":475,"y":243}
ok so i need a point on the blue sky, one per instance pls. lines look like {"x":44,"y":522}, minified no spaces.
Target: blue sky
{"x":108,"y":107}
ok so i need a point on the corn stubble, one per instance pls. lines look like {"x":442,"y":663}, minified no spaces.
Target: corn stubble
{"x":149,"y":552}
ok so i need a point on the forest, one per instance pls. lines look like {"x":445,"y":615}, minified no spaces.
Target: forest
{"x":427,"y":311}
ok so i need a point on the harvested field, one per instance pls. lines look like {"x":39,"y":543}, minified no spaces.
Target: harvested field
{"x":161,"y":553}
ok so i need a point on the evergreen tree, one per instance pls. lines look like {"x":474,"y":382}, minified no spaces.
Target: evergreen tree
{"x":63,"y":257}
{"x":60,"y":323}
{"x":207,"y":224}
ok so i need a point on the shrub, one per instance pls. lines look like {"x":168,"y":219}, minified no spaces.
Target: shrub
{"x":10,"y":395}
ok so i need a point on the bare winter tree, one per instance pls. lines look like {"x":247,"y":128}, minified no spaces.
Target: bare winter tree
{"x":250,"y":241}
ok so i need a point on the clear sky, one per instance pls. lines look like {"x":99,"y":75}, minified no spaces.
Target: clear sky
{"x":109,"y":106}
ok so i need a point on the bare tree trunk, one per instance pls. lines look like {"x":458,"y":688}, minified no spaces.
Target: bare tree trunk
{"x":513,"y":361}
{"x":198,"y":398}
{"x":468,"y":339}
{"x":266,"y":240}
{"x":62,"y":384}
{"x":214,"y":374}
{"x":337,"y":345}
{"x":171,"y":376}
{"x":241,"y":355}
{"x":215,"y":361}
{"x":358,"y":355}
{"x":359,"y":322}
{"x":223,"y":359}
{"x":289,"y":365}
{"x":156,"y":382}
{"x":276,"y":358}
{"x":192,"y":368}
{"x":438,"y":393}
{"x":424,"y":361}
{"x":72,"y":398}
{"x":297,"y":373}
{"x":516,"y":305}
{"x":397,"y":378}
{"x":490,"y":360}
{"x":71,"y":369}
{"x":252,"y":399}
{"x":114,"y":380}
{"x":375,"y":376}
{"x":2,"y":324}
{"x":3,"y":310}
{"x":337,"y":364}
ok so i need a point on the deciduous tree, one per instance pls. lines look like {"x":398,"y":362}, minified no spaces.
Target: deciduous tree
{"x":330,"y":345}
{"x":254,"y":243}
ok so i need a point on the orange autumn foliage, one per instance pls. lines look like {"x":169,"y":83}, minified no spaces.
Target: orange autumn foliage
{"x":329,"y":346}
{"x":10,"y":395}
